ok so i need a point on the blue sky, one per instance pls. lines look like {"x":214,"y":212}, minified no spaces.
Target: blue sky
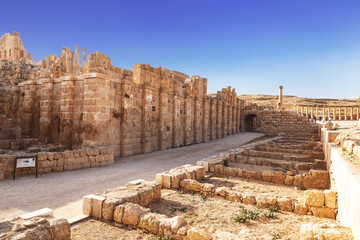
{"x":312,"y":47}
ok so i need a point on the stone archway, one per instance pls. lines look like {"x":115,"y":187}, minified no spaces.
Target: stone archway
{"x":250,"y":123}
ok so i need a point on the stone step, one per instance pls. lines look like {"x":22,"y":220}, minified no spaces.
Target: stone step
{"x":77,"y":219}
{"x":293,"y":165}
{"x":44,"y":212}
{"x":277,"y":155}
{"x":318,"y":179}
{"x":311,"y":153}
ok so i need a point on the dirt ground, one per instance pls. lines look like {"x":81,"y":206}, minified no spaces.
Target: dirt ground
{"x":214,"y":213}
{"x":63,"y":191}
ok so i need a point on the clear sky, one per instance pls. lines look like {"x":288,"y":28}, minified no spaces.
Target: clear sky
{"x":312,"y":47}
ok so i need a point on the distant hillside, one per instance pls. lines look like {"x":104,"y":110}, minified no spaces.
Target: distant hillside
{"x":289,"y":101}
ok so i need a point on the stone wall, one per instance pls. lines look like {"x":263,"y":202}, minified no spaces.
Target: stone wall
{"x":273,"y":122}
{"x":12,"y":48}
{"x":59,"y":161}
{"x":134,"y":111}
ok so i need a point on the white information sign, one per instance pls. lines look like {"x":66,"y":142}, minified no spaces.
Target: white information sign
{"x":26,"y":162}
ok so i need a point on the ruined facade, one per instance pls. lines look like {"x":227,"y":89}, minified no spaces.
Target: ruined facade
{"x":134,"y":111}
{"x":12,"y":48}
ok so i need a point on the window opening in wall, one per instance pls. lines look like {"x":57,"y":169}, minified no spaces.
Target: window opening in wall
{"x":153,"y":108}
{"x":180,"y":111}
{"x":168,"y":129}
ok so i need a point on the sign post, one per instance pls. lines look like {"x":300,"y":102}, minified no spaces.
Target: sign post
{"x":26,"y":162}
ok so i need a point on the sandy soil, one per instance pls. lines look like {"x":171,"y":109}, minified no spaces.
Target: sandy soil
{"x":96,"y":230}
{"x":63,"y":191}
{"x":255,"y":187}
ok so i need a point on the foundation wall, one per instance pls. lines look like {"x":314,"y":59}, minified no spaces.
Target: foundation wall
{"x":345,"y":179}
{"x":59,"y":161}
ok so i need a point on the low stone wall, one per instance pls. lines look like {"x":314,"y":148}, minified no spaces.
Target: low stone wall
{"x":38,"y":228}
{"x":345,"y":178}
{"x":17,"y":144}
{"x":317,"y":203}
{"x":59,"y":161}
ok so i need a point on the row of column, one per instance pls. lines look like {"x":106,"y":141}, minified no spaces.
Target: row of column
{"x":68,"y":60}
{"x":335,"y":112}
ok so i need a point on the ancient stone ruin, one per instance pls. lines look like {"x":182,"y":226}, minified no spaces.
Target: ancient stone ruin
{"x":74,"y":113}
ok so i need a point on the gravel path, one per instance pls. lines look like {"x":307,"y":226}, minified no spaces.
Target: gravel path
{"x":62,"y":191}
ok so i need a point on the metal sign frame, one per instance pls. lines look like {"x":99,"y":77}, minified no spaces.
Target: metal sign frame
{"x":36,"y":164}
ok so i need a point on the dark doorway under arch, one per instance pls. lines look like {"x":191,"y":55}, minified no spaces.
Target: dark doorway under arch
{"x":251,"y":123}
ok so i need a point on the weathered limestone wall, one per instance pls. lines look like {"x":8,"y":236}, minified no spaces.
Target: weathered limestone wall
{"x":59,"y":161}
{"x":273,"y":122}
{"x":345,"y":178}
{"x":12,"y":48}
{"x":134,"y":111}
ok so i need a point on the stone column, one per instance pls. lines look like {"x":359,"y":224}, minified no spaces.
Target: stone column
{"x":77,"y":60}
{"x":328,"y":112}
{"x":357,"y":113}
{"x":294,"y":107}
{"x":34,"y":60}
{"x":339,"y":113}
{"x":351,"y":113}
{"x":307,"y":111}
{"x":280,"y":97}
{"x":317,"y":113}
{"x":297,"y":109}
{"x":84,"y":59}
{"x":323,"y":113}
{"x":46,"y":110}
{"x":64,"y":58}
{"x":345,"y":113}
{"x":311,"y":112}
{"x":334,"y":113}
{"x":301,"y":110}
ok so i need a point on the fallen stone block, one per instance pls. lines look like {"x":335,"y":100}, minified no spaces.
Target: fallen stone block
{"x":330,"y":198}
{"x":324,"y":212}
{"x":132,"y":213}
{"x":314,"y":198}
{"x":44,"y":212}
{"x":195,"y":234}
{"x":191,"y":185}
{"x":61,"y":229}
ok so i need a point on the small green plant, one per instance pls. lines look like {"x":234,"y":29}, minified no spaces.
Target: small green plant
{"x":203,"y":197}
{"x":269,"y":214}
{"x":192,"y":193}
{"x":240,"y":218}
{"x":276,"y":235}
{"x":164,"y":238}
{"x":273,"y":209}
{"x":226,"y":163}
{"x":344,"y":149}
{"x":351,"y":153}
{"x":303,"y":188}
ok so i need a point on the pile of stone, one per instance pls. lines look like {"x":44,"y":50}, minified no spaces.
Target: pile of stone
{"x":172,"y":178}
{"x":38,"y":228}
{"x":137,"y":192}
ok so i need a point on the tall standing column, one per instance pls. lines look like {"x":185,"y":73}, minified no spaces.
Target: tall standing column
{"x":339,"y":113}
{"x":345,"y":113}
{"x":311,"y":112}
{"x":77,"y":60}
{"x":301,"y":110}
{"x":323,"y":113}
{"x":297,"y":109}
{"x":294,"y":107}
{"x":351,"y":113}
{"x":317,"y":113}
{"x":83,"y":59}
{"x":64,"y":59}
{"x":334,"y":111}
{"x":280,"y":97}
{"x":307,"y":111}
